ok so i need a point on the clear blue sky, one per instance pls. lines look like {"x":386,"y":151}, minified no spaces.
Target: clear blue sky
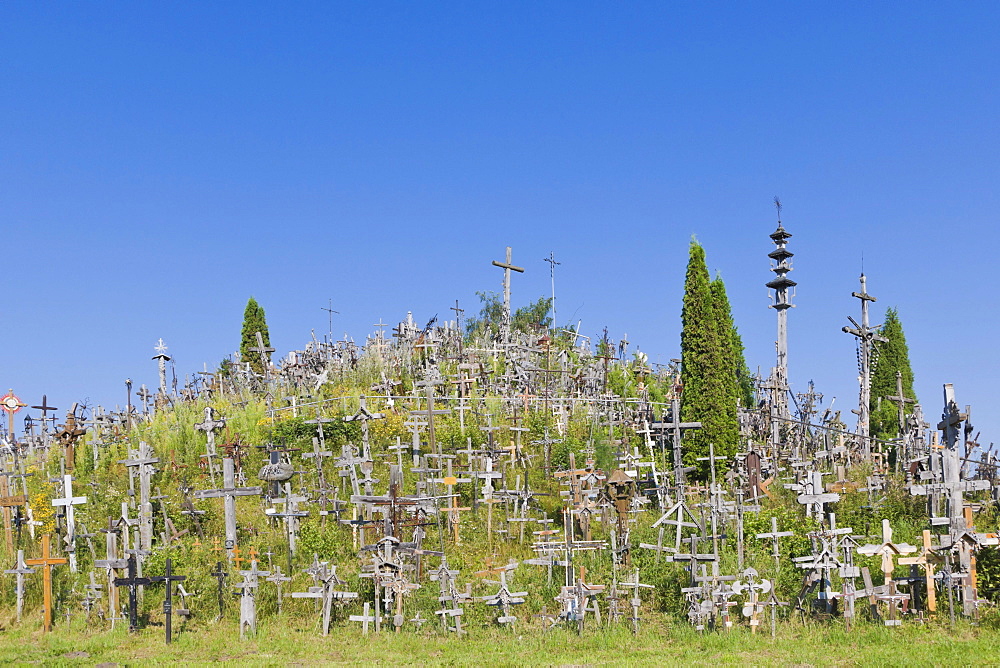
{"x":161,"y":162}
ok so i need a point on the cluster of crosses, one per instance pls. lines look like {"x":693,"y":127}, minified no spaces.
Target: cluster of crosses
{"x":426,"y":483}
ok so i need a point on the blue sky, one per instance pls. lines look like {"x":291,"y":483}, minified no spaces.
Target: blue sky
{"x":160,"y":163}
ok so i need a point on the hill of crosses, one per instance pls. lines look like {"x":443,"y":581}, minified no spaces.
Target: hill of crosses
{"x":497,"y":470}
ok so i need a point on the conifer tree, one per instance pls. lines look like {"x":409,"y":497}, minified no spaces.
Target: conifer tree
{"x":732,"y":344}
{"x":893,"y":356}
{"x":253,"y":322}
{"x":708,"y":391}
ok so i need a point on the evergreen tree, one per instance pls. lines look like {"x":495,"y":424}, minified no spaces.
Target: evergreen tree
{"x":253,"y":322}
{"x":893,"y":356}
{"x":708,"y":389}
{"x":732,"y":345}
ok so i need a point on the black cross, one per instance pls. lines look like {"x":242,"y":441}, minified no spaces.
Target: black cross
{"x":133,"y":582}
{"x":221,"y":576}
{"x":168,"y":578}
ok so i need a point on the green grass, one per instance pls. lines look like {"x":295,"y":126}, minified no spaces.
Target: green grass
{"x":657,"y":644}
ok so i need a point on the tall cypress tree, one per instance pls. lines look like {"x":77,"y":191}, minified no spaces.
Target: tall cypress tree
{"x":708,"y":391}
{"x":893,"y":356}
{"x":732,"y":345}
{"x":253,"y":322}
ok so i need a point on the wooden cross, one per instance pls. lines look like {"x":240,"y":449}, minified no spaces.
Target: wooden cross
{"x":676,"y":428}
{"x":888,"y":551}
{"x":47,"y":562}
{"x":248,"y":601}
{"x":364,"y":618}
{"x":68,"y":501}
{"x":8,"y":502}
{"x":168,"y":578}
{"x":237,"y":559}
{"x":68,"y":435}
{"x":927,"y":560}
{"x":429,"y":414}
{"x":775,"y":535}
{"x":507,"y":268}
{"x":20,"y":570}
{"x":364,"y":415}
{"x":453,"y":510}
{"x":133,"y":581}
{"x":229,"y":491}
{"x":900,"y":400}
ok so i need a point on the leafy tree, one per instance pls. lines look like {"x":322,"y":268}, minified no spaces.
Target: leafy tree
{"x":253,"y":322}
{"x":732,"y":344}
{"x":708,"y":394}
{"x":487,"y":323}
{"x":893,"y":356}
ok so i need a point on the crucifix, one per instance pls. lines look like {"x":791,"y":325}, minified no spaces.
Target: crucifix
{"x":229,"y":492}
{"x":68,"y":435}
{"x":507,"y":268}
{"x":68,"y":502}
{"x":133,"y":581}
{"x":168,"y":578}
{"x":46,"y":561}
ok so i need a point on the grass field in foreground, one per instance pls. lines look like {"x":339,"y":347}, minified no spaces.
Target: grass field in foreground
{"x":931,"y":644}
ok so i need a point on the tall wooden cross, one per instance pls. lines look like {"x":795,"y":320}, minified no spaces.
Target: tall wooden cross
{"x":142,"y":461}
{"x":265,"y":353}
{"x":507,"y":268}
{"x":47,"y":562}
{"x":866,"y":335}
{"x":229,"y":492}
